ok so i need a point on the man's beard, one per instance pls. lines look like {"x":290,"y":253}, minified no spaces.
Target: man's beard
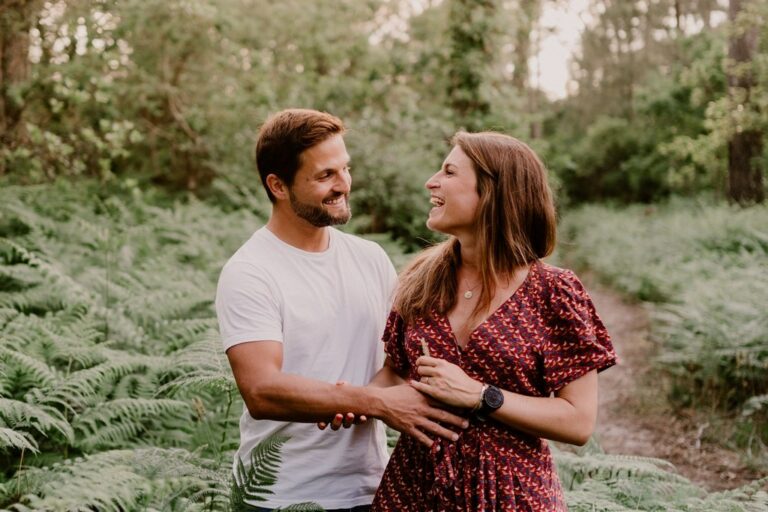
{"x":318,"y":216}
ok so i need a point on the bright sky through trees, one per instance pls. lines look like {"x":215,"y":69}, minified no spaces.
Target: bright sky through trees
{"x":561,"y":26}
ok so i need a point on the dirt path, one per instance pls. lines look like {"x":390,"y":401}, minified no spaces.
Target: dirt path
{"x":634,"y":418}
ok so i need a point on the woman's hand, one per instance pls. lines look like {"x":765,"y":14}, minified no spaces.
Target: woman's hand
{"x":447,"y":383}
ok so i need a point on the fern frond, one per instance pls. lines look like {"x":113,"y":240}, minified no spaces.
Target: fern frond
{"x":118,"y":421}
{"x":38,"y":371}
{"x":608,"y":467}
{"x":302,"y":507}
{"x":202,"y":366}
{"x":252,"y":483}
{"x":43,"y":419}
{"x":80,"y":385}
{"x":10,"y":438}
{"x":101,"y":482}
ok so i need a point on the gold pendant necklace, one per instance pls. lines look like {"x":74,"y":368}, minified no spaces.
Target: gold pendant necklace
{"x":469,"y":293}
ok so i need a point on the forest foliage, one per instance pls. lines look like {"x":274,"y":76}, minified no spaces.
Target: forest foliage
{"x":115,"y":393}
{"x":126,"y":139}
{"x":702,"y":268}
{"x":172,"y":92}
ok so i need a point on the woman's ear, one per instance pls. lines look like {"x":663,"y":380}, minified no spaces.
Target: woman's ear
{"x":277,"y":187}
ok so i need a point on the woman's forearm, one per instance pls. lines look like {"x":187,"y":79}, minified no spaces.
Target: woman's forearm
{"x":568,"y":417}
{"x":386,"y":377}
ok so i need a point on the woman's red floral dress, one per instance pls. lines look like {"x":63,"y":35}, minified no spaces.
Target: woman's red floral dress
{"x":544,"y":336}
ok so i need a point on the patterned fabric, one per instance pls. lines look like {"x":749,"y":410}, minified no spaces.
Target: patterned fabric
{"x":544,"y":336}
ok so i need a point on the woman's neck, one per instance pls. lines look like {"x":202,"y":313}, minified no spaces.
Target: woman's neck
{"x":469,"y":253}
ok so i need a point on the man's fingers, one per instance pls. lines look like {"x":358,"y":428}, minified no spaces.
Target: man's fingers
{"x":420,"y":437}
{"x":322,"y":425}
{"x":447,"y":417}
{"x":361,"y":419}
{"x":336,"y":422}
{"x":441,"y":431}
{"x":349,"y":419}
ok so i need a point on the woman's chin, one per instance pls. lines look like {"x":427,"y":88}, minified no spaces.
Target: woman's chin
{"x":435,"y":226}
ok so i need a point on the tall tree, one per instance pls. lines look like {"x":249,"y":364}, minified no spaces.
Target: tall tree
{"x":16,"y":19}
{"x":471,"y":31}
{"x":745,"y":147}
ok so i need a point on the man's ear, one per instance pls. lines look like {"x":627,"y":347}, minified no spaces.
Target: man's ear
{"x":277,"y":187}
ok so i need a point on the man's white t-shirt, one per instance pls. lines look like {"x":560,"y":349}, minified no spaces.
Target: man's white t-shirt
{"x":329,"y":310}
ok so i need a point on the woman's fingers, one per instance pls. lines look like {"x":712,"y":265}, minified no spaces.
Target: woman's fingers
{"x":428,"y":361}
{"x":428,"y":370}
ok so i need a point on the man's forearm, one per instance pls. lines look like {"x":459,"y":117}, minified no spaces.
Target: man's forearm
{"x":288,"y":397}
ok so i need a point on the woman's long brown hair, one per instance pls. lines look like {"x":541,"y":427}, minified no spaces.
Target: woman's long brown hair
{"x":515,"y":221}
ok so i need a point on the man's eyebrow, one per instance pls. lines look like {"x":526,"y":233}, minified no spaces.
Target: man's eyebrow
{"x":331,"y":169}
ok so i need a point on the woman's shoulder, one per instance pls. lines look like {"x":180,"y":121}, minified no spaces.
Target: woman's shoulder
{"x":556,"y":277}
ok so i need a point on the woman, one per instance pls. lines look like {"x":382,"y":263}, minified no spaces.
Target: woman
{"x":482,"y":325}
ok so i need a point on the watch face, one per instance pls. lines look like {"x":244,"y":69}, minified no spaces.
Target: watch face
{"x":493,"y":397}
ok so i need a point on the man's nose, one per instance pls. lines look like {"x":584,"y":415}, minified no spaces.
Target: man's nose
{"x":343,"y":183}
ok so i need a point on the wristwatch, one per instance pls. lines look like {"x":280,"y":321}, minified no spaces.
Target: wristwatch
{"x":491,"y":400}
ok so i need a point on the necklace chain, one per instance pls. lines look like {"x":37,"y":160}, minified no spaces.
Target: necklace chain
{"x":469,"y":293}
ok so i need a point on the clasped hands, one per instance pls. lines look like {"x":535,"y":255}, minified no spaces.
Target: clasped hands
{"x":442,"y":385}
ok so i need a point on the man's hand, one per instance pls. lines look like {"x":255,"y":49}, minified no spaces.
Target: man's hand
{"x":410,"y":412}
{"x":342,"y":420}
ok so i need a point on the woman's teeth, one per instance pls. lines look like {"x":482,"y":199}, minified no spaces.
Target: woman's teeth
{"x":436,"y":201}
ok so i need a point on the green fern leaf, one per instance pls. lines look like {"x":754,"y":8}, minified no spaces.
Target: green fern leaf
{"x":16,"y":440}
{"x":43,"y":419}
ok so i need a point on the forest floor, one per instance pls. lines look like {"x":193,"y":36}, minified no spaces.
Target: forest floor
{"x":636,"y":419}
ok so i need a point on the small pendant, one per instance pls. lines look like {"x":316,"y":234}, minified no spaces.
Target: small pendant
{"x":468,"y":294}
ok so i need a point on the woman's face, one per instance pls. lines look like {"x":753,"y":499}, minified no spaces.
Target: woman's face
{"x":453,"y":194}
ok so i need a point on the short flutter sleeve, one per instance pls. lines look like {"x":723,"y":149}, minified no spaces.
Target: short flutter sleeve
{"x":578,"y":342}
{"x":394,"y":343}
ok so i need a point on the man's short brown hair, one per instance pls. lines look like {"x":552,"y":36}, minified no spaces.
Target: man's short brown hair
{"x":285,"y":136}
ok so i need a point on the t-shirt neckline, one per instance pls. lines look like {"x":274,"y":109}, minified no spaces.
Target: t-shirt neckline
{"x":332,"y":233}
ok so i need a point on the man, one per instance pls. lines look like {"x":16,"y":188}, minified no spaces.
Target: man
{"x":301,"y":307}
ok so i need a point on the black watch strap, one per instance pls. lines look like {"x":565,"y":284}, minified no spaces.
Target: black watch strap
{"x":492,"y":399}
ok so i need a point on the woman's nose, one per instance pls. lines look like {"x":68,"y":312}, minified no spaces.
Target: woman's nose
{"x":432,"y":182}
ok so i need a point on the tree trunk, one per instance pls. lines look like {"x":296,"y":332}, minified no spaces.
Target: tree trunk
{"x":745,"y":149}
{"x":471,"y":22}
{"x":16,"y":18}
{"x":525,"y":25}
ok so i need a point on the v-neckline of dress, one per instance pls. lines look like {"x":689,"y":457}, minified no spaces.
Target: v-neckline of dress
{"x":452,"y":333}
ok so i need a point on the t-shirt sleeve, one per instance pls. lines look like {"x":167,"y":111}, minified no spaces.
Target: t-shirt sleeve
{"x":394,"y":343}
{"x":579,"y":342}
{"x":246,"y":307}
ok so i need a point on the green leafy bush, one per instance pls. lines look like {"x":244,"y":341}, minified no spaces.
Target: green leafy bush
{"x":703,"y":266}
